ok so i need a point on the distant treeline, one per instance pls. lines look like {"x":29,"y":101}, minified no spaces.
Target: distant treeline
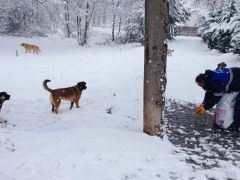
{"x":74,"y":18}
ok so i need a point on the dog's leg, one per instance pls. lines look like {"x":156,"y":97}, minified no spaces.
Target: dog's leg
{"x":52,"y":108}
{"x":77,"y":103}
{"x":57,"y":104}
{"x":52,"y":102}
{"x":56,"y":109}
{"x":71,"y":106}
{"x":1,"y":106}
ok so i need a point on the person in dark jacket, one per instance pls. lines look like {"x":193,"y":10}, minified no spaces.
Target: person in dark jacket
{"x":216,"y":83}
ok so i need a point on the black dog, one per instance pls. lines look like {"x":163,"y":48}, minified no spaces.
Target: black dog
{"x":3,"y":97}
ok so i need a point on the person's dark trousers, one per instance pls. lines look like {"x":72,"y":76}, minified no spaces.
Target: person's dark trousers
{"x":236,"y":123}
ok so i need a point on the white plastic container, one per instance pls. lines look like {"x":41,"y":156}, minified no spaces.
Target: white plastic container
{"x":225,"y":110}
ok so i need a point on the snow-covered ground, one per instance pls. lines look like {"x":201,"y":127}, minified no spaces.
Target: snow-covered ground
{"x":90,"y":143}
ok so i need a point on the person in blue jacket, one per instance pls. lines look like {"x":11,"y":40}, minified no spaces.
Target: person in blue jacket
{"x":216,"y":83}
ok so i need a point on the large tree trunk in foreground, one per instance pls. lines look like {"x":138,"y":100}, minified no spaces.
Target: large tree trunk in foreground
{"x":156,"y":17}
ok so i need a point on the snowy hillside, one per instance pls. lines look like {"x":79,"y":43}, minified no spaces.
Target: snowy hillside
{"x":103,"y":139}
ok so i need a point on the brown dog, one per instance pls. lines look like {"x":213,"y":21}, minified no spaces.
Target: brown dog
{"x":72,"y":94}
{"x":30,"y":47}
{"x":3,"y":97}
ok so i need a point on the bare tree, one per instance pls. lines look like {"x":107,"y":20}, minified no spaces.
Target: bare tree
{"x":84,"y":21}
{"x":119,"y":25}
{"x":155,"y":65}
{"x":79,"y":30}
{"x":67,"y":17}
{"x":115,"y":5}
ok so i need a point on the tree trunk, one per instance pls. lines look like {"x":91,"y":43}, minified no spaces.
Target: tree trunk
{"x":66,"y":15}
{"x":113,"y":27}
{"x":115,"y":6}
{"x":155,"y":65}
{"x":99,"y":19}
{"x":119,"y":25}
{"x":104,"y":17}
{"x":86,"y":24}
{"x":169,"y":19}
{"x":79,"y":30}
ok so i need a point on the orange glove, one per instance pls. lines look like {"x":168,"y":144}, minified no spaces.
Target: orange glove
{"x":201,"y":110}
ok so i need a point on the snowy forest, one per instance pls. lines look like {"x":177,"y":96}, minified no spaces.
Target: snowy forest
{"x":74,"y":18}
{"x":218,"y":25}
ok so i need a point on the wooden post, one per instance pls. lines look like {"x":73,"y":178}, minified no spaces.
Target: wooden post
{"x":156,"y":22}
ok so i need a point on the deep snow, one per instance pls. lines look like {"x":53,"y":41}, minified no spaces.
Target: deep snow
{"x":89,"y":143}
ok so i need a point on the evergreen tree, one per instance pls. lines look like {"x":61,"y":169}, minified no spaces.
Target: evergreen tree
{"x":209,"y":26}
{"x":220,"y":26}
{"x":178,"y":11}
{"x":223,"y":33}
{"x":235,"y":41}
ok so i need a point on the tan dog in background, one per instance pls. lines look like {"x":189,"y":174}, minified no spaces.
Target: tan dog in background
{"x":30,"y":47}
{"x":169,"y":52}
{"x":72,"y":94}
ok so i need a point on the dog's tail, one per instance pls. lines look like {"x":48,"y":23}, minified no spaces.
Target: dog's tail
{"x":45,"y":85}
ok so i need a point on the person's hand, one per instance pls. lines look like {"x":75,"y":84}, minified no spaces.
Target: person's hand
{"x":201,"y":110}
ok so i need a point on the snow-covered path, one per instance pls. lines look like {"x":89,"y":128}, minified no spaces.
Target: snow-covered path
{"x":89,"y":143}
{"x":191,"y":57}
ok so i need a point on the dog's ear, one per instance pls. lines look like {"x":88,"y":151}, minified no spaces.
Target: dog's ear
{"x":2,"y":93}
{"x":2,"y":97}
